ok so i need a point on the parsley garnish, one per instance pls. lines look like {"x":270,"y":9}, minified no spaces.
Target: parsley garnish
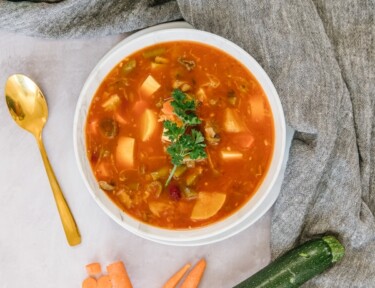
{"x":185,"y":140}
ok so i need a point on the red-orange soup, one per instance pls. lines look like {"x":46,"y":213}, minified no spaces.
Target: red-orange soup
{"x":127,"y":149}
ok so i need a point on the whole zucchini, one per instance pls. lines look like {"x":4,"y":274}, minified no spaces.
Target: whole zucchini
{"x":298,"y":265}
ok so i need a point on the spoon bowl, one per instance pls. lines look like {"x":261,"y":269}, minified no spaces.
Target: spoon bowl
{"x":28,"y":108}
{"x":26,"y":103}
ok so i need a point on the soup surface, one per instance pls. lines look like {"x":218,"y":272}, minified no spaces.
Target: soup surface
{"x":180,"y":135}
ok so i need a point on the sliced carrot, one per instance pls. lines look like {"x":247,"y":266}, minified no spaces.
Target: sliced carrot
{"x":89,"y":282}
{"x":93,"y":127}
{"x":118,"y":275}
{"x":195,"y":275}
{"x":104,"y":282}
{"x":243,"y":140}
{"x":120,"y":117}
{"x":167,"y":107}
{"x":93,"y":269}
{"x":139,"y":107}
{"x":173,"y":281}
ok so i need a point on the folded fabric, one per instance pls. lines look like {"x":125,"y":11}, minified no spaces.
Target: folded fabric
{"x":320,"y":56}
{"x":47,"y":1}
{"x":84,"y":18}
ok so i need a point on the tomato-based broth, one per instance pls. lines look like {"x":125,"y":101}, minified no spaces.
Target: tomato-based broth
{"x":180,"y":135}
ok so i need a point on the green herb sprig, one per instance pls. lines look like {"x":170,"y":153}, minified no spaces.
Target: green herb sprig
{"x":185,"y":140}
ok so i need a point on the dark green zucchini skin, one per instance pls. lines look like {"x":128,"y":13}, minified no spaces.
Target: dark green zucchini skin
{"x":298,"y":265}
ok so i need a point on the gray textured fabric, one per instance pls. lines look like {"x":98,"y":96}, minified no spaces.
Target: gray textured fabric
{"x":84,"y":18}
{"x":321,"y":57}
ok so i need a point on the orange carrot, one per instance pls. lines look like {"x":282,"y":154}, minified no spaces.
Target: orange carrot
{"x":173,"y":281}
{"x":104,"y":282}
{"x":93,"y":269}
{"x":118,"y":275}
{"x":167,"y":107}
{"x":89,"y":282}
{"x":194,"y":277}
{"x":139,"y":107}
{"x":120,"y":117}
{"x":244,"y":140}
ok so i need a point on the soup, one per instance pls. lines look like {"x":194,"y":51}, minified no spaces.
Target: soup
{"x":180,"y":135}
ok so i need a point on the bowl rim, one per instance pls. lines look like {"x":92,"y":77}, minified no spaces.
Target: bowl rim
{"x":180,"y":236}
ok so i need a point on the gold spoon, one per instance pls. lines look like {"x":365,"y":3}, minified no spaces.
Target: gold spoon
{"x":28,"y":108}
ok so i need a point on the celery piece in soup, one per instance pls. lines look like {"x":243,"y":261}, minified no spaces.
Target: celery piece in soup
{"x":154,"y":52}
{"x":129,"y":66}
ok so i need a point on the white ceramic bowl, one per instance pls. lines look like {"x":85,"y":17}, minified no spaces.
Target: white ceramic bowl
{"x":198,"y":236}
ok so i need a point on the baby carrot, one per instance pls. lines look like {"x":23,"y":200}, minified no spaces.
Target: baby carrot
{"x":89,"y":282}
{"x":195,"y":275}
{"x":118,"y":275}
{"x":173,"y":281}
{"x":104,"y":282}
{"x":93,"y":269}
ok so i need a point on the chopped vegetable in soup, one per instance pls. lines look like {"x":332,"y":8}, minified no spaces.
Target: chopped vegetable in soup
{"x":180,"y":135}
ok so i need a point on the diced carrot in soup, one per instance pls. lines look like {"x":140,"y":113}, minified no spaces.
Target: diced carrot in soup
{"x":139,"y":107}
{"x":243,"y":140}
{"x":93,"y":128}
{"x":127,"y":124}
{"x":167,"y":108}
{"x":120,"y":118}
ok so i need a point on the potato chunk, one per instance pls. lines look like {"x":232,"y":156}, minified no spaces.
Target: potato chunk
{"x":111,"y":103}
{"x":207,"y":205}
{"x":149,"y":86}
{"x":257,"y":109}
{"x":233,"y":122}
{"x":231,"y":155}
{"x":148,"y":124}
{"x":125,"y":152}
{"x":158,"y":208}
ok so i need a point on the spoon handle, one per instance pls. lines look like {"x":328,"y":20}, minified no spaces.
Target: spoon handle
{"x":70,"y":227}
